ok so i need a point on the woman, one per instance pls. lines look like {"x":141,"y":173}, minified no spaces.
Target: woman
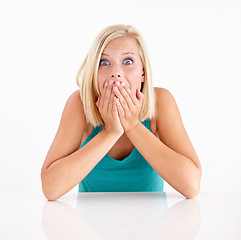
{"x":131,"y":135}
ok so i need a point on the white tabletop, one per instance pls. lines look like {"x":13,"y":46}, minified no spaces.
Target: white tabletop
{"x":211,"y":215}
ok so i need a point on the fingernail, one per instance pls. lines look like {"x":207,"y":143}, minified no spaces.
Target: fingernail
{"x":117,"y":84}
{"x":123,"y":84}
{"x":110,"y":82}
{"x":106,"y":84}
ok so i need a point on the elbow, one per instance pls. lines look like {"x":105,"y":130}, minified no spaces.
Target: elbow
{"x":194,"y":181}
{"x":193,"y":187}
{"x":48,"y":191}
{"x":50,"y":197}
{"x":49,"y":194}
{"x":192,"y":192}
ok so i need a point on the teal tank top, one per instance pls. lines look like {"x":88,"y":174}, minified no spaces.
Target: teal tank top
{"x":132,"y":174}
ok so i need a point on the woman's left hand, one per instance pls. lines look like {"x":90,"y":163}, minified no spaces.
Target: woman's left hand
{"x":128,"y":105}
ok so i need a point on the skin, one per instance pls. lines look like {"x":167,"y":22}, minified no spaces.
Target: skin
{"x":120,"y":76}
{"x":167,"y":148}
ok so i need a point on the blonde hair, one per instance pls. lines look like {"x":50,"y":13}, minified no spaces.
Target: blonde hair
{"x":88,"y":71}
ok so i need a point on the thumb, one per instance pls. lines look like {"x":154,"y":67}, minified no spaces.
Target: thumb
{"x":139,"y":95}
{"x":98,"y":102}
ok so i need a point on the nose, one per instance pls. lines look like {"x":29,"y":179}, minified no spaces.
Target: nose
{"x":113,"y":75}
{"x":116,"y":72}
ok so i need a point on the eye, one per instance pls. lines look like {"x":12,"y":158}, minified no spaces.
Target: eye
{"x":104,"y":63}
{"x":128,"y":62}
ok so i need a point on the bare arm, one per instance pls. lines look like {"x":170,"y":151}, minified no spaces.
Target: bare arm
{"x":172,"y":156}
{"x":65,"y":164}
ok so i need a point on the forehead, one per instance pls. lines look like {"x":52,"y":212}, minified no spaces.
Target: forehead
{"x":121,"y":44}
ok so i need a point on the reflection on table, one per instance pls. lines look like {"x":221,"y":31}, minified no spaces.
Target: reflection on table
{"x":122,"y":216}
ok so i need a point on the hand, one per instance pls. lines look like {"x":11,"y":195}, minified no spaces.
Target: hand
{"x":128,"y":105}
{"x":108,"y":110}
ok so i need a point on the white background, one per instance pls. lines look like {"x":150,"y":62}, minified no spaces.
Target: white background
{"x":195,"y":53}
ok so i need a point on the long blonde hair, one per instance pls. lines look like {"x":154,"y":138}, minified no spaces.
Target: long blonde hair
{"x":88,"y":71}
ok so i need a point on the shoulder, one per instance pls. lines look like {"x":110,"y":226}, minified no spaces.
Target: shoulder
{"x":165,"y":102}
{"x":74,"y":102}
{"x":167,"y":112}
{"x":73,"y":110}
{"x":163,"y":95}
{"x":74,"y":98}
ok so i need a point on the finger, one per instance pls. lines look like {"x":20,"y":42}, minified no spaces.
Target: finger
{"x":132,"y":97}
{"x":123,"y":96}
{"x":106,"y":95}
{"x":109,"y":96}
{"x":129,"y":96}
{"x":119,"y":107}
{"x":103,"y":95}
{"x":114,"y":108}
{"x":98,"y":102}
{"x":110,"y":103}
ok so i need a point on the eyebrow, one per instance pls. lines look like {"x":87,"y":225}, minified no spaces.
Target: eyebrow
{"x":127,"y":53}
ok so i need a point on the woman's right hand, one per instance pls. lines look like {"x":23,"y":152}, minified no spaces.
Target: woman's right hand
{"x":108,"y":110}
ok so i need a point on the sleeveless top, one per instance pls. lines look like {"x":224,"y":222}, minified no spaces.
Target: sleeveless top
{"x":132,"y":174}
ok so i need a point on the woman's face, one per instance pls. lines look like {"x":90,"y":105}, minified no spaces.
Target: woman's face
{"x":120,"y":61}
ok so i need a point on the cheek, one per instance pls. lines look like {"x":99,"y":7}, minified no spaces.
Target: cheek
{"x":101,"y":81}
{"x":135,"y":81}
{"x":135,"y":73}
